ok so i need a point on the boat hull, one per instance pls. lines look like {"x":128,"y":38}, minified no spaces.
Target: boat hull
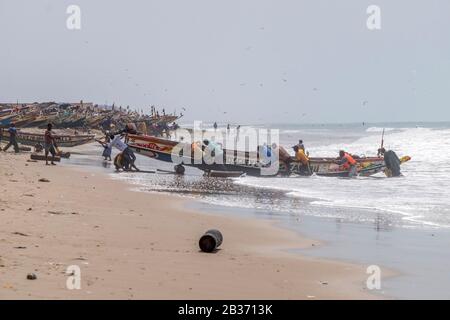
{"x":67,"y":141}
{"x":162,"y":149}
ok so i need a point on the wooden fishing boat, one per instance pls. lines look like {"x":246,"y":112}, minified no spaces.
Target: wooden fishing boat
{"x":77,"y":115}
{"x":24,"y":120}
{"x":5,"y":121}
{"x":73,"y":121}
{"x":66,"y":141}
{"x":165,"y":119}
{"x":39,"y":121}
{"x":94,"y":121}
{"x":4,"y":112}
{"x":249,"y":162}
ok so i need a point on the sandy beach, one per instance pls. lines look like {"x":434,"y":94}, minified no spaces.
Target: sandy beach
{"x":135,"y":245}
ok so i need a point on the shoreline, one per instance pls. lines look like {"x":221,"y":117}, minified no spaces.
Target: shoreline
{"x":161,"y":260}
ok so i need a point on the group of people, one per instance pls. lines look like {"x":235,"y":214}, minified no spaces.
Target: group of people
{"x":126,"y":159}
{"x":301,"y":157}
{"x":284,"y":157}
{"x":50,"y":146}
{"x":345,"y":160}
{"x":206,"y":150}
{"x":238,"y":127}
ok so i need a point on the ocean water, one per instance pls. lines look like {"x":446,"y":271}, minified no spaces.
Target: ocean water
{"x":418,"y":199}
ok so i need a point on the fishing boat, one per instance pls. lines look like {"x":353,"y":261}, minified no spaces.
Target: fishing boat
{"x":67,"y":141}
{"x":38,"y":121}
{"x":80,"y":115}
{"x":250,"y":163}
{"x":5,"y":121}
{"x":5,"y":111}
{"x":73,"y":121}
{"x":23,"y":120}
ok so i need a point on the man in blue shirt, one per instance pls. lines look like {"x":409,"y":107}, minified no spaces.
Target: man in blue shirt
{"x":12,"y":138}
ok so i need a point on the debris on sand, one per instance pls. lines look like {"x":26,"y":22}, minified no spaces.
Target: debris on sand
{"x":31,"y":276}
{"x":20,"y":234}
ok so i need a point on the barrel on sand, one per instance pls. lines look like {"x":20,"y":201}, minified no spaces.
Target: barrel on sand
{"x":211,"y":240}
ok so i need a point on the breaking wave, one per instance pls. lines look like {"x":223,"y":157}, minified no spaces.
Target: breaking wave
{"x":420,"y":198}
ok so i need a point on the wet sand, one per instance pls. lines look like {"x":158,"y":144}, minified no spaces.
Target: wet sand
{"x":135,"y":245}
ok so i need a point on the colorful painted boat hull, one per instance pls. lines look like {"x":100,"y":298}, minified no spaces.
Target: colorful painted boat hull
{"x":162,"y":149}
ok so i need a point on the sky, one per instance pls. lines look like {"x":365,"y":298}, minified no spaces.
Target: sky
{"x":238,"y":61}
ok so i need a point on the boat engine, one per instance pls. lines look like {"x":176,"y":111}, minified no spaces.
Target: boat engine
{"x":392,"y":164}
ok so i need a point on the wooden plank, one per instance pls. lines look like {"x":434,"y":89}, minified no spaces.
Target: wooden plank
{"x":41,"y":157}
{"x":23,"y":148}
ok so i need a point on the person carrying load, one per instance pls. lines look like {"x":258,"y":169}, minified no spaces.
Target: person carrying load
{"x":283,"y":157}
{"x":347,"y":162}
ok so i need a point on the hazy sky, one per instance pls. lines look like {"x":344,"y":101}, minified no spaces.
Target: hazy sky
{"x":257,"y":60}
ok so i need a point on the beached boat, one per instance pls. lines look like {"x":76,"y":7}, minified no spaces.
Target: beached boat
{"x":66,"y":141}
{"x":82,"y":115}
{"x":5,"y":112}
{"x":249,"y":162}
{"x":37,"y":121}
{"x":6,"y":120}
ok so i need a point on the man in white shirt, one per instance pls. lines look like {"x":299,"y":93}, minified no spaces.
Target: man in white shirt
{"x":128,"y":154}
{"x":118,"y":143}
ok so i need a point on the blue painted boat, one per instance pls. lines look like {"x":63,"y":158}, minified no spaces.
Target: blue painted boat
{"x":6,"y":121}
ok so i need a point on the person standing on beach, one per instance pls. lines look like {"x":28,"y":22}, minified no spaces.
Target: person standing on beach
{"x":49,"y":145}
{"x":107,"y":148}
{"x":215,"y":125}
{"x":12,"y":138}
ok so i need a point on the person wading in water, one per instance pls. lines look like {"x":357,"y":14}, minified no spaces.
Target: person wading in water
{"x":347,"y":162}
